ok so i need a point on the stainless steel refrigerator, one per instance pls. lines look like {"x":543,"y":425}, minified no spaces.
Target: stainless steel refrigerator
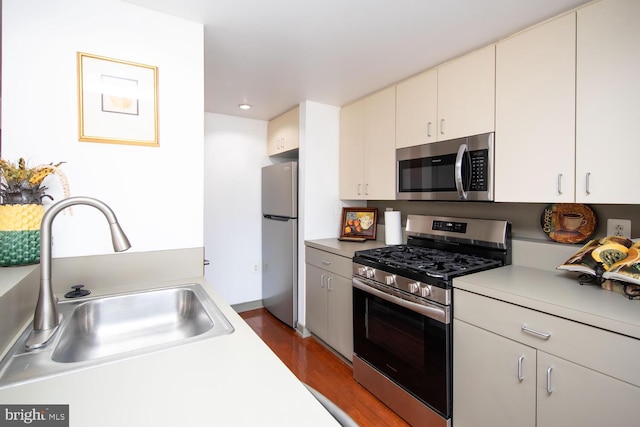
{"x":280,"y":241}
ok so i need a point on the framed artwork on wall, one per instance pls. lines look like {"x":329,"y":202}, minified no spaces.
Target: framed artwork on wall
{"x":358,"y":224}
{"x":117,"y":101}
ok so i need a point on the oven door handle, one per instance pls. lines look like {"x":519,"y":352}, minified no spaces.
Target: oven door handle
{"x":431,"y":311}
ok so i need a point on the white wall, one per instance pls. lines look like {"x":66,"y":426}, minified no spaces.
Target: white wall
{"x":157,"y":193}
{"x":319,"y":205}
{"x":235,"y":151}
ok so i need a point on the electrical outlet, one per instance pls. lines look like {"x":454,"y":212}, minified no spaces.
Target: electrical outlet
{"x":619,"y":227}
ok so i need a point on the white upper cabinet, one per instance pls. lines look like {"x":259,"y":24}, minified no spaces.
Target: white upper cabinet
{"x":283,"y":133}
{"x":535,"y":114}
{"x":417,"y":110}
{"x":352,"y":151}
{"x":367,"y":147}
{"x":380,"y":149}
{"x":454,"y":100}
{"x":466,"y":95}
{"x":608,"y":102}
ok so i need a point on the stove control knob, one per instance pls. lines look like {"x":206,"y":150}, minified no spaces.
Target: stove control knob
{"x":362,"y":271}
{"x":371,"y":273}
{"x":414,"y":287}
{"x":390,"y":280}
{"x":425,"y":291}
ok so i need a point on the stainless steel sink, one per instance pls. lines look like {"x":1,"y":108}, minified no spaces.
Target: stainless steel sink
{"x":104,"y":329}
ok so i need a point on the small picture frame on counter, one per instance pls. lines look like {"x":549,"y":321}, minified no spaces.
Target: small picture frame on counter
{"x":358,"y":224}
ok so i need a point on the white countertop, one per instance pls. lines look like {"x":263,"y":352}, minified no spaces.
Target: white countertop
{"x":232,"y":380}
{"x":343,"y":248}
{"x":557,"y":293}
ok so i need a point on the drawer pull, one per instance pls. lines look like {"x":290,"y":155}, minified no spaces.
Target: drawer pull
{"x":549,"y":388}
{"x":520,"y":376}
{"x":326,"y":262}
{"x":543,"y":335}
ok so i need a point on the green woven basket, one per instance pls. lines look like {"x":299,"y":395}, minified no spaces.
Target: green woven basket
{"x":20,"y":234}
{"x":19,"y":247}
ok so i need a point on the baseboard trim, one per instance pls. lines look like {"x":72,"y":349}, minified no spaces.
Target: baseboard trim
{"x":247,"y":306}
{"x":302,"y":331}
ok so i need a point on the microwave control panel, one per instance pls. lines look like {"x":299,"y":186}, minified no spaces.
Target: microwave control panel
{"x":479,"y":166}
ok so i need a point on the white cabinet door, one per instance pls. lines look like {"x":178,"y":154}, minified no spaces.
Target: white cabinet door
{"x":572,"y":395}
{"x":340,"y":315}
{"x":608,"y":102}
{"x":316,"y":301}
{"x":290,"y":130}
{"x":466,"y":95}
{"x":417,"y":110}
{"x":273,"y":136}
{"x":368,"y":147}
{"x":535,"y":114}
{"x":380,"y":145}
{"x":494,"y":379}
{"x":283,"y":132}
{"x":352,"y":151}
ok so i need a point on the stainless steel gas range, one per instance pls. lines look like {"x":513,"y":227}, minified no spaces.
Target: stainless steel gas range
{"x":402,"y":311}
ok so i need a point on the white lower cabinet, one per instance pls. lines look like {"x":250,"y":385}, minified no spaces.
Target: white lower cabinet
{"x":486,"y":388}
{"x":572,"y":395}
{"x":329,"y":300}
{"x":505,"y":372}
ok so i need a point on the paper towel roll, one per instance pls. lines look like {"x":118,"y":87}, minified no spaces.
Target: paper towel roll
{"x":393,"y":228}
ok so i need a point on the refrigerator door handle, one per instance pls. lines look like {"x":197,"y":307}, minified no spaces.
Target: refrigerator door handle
{"x":278,"y":218}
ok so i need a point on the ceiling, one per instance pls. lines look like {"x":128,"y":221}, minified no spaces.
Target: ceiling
{"x":274,"y":54}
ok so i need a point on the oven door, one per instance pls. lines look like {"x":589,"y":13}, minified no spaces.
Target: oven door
{"x":412,"y":349}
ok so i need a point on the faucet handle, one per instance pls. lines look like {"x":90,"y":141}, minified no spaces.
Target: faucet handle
{"x":77,"y":292}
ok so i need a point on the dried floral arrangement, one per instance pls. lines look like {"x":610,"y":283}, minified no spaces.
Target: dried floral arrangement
{"x":20,"y":184}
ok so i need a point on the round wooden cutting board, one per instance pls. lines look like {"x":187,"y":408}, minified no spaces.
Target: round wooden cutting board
{"x":568,"y":222}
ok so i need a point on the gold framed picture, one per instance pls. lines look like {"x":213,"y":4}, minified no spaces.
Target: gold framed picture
{"x":117,"y":101}
{"x":359,"y":223}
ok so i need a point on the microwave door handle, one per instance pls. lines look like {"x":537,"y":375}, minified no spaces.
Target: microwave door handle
{"x":462,"y":194}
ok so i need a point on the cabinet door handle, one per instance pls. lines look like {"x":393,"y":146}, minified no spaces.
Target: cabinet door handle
{"x":559,"y":183}
{"x":329,"y":284}
{"x":587,"y":189}
{"x":520,"y":376}
{"x":366,"y":189}
{"x":543,"y":335}
{"x":442,"y":126}
{"x":322,"y":277}
{"x":429,"y":129}
{"x":549,"y":388}
{"x":359,"y":188}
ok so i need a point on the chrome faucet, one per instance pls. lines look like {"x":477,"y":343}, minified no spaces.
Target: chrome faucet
{"x":46,"y":318}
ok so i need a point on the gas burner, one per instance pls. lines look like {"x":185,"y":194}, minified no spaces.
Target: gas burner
{"x":432,"y":262}
{"x":428,"y":262}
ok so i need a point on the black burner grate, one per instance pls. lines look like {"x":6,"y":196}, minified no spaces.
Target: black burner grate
{"x":428,"y":261}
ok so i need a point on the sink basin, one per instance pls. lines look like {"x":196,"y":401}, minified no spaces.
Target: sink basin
{"x":120,"y":324}
{"x":104,"y":329}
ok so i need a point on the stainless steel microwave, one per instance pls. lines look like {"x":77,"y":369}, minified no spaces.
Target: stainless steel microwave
{"x":458,"y":169}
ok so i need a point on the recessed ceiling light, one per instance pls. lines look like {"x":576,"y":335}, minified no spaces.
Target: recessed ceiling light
{"x":244,"y":106}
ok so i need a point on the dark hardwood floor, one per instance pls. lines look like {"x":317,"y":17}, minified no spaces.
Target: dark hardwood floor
{"x":317,"y":366}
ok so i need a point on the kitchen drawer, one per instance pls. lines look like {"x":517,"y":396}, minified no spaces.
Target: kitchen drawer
{"x":336,"y":264}
{"x":603,"y":351}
